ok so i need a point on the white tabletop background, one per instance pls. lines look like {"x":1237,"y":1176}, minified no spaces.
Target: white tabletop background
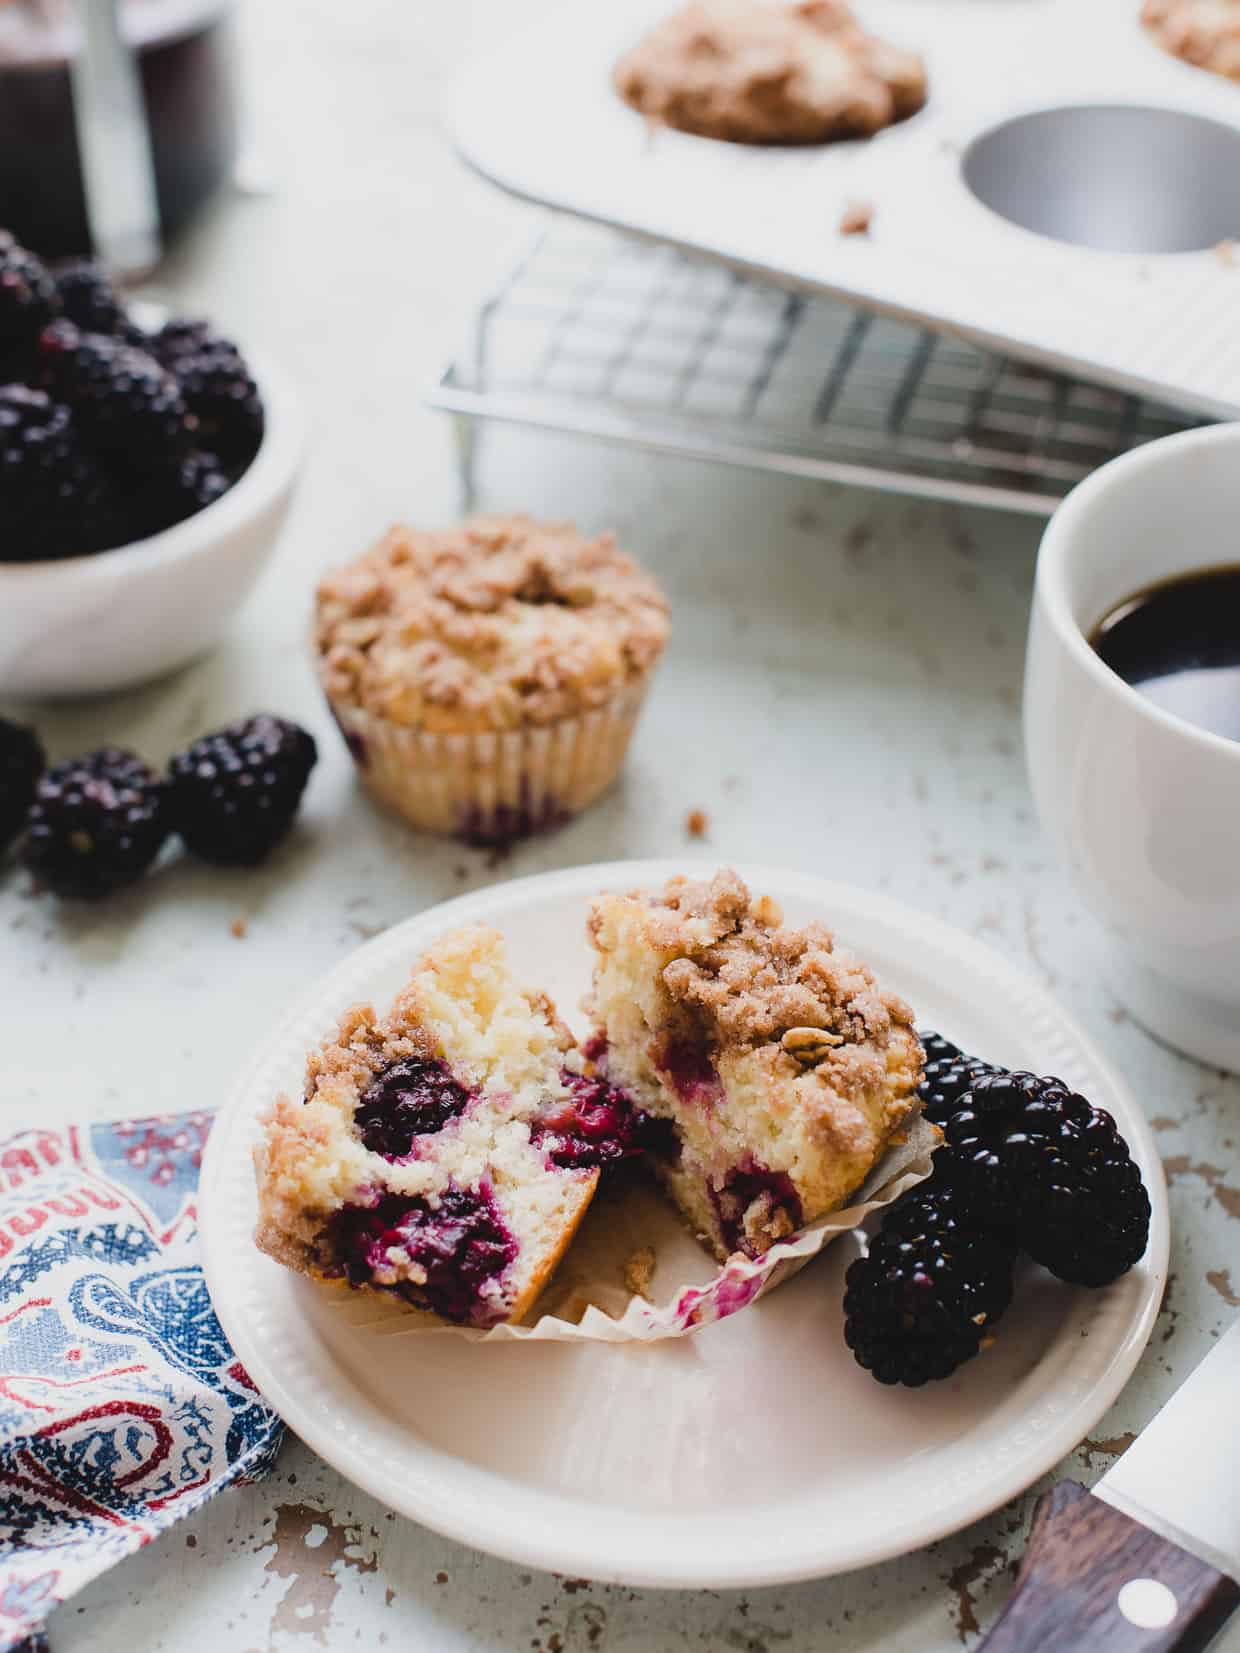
{"x":842,"y":694}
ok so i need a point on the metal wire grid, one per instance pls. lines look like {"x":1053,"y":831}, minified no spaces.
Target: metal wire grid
{"x":602,"y":335}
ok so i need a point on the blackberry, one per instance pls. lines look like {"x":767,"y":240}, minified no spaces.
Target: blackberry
{"x":235,"y":792}
{"x":407,"y":1100}
{"x":220,"y":393}
{"x":184,"y":488}
{"x":21,"y":763}
{"x":55,"y":501}
{"x":184,"y":336}
{"x":937,"y":1048}
{"x":89,"y":301}
{"x":931,"y":1287}
{"x":457,"y":1245}
{"x":28,"y":299}
{"x":947,"y":1076}
{"x":96,"y":824}
{"x":128,"y":406}
{"x":1039,"y":1162}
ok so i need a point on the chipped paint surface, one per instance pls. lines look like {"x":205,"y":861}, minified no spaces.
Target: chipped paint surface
{"x":982,"y":1563}
{"x":309,"y":1549}
{"x":868,"y":648}
{"x":1102,"y":1451}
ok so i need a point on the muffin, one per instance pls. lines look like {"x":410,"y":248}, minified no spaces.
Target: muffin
{"x":1205,"y":33}
{"x":783,"y":1069}
{"x":488,"y":678}
{"x":754,"y":72}
{"x":446,"y":1152}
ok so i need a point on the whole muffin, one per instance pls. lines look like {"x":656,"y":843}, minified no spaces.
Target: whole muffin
{"x":1202,"y":32}
{"x":488,"y":678}
{"x":752,"y":72}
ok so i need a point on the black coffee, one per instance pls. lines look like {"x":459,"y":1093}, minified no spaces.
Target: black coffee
{"x":1178,"y":643}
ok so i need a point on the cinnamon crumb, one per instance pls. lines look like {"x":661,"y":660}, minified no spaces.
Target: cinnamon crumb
{"x":238,"y":928}
{"x":751,"y":976}
{"x":856,"y":218}
{"x":499,"y":623}
{"x":639,"y":1271}
{"x":697,"y":823}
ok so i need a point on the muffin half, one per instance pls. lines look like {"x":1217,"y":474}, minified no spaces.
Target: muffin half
{"x":445,"y":1152}
{"x":782,"y":1067}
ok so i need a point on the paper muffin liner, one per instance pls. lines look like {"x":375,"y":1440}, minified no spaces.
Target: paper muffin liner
{"x":635,"y":1274}
{"x":493,"y":786}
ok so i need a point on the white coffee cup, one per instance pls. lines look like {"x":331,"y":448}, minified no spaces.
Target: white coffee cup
{"x":1141,"y":806}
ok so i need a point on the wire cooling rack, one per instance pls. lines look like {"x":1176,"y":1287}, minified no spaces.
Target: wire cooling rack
{"x":602,"y":335}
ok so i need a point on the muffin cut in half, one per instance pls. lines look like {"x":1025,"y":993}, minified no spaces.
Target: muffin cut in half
{"x":445,"y":1152}
{"x":783,"y":1067}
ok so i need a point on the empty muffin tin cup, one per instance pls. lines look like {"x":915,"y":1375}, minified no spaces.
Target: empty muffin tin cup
{"x":1114,"y":177}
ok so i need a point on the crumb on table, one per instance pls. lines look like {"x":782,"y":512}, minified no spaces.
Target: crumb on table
{"x":238,"y":928}
{"x":856,"y":218}
{"x":697,"y":823}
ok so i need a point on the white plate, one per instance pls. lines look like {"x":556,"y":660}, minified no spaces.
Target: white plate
{"x":539,"y":118}
{"x":750,"y":1453}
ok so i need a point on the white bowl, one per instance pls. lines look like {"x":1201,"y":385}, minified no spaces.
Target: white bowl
{"x":1141,"y":806}
{"x":87,"y":625}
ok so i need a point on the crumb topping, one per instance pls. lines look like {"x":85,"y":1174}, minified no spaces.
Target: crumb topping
{"x":1202,"y":32}
{"x":758,"y":979}
{"x":857,"y":218}
{"x":498,"y":623}
{"x":753,"y":72}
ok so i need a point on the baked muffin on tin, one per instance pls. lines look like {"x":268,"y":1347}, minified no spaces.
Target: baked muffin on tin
{"x":749,"y":71}
{"x":488,"y":678}
{"x":1205,"y":33}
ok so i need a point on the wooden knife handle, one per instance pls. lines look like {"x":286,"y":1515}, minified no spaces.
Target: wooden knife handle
{"x":1092,"y":1578}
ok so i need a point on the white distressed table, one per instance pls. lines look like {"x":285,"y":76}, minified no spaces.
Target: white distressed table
{"x":842,"y":691}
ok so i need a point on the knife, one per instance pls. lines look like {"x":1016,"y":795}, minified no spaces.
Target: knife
{"x":1146,"y":1562}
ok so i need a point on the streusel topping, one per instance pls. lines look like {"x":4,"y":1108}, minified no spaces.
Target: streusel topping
{"x":499,"y":623}
{"x":754,"y":72}
{"x":756,"y":978}
{"x":1202,"y":32}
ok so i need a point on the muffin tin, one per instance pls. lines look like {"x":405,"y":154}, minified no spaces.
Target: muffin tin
{"x":1066,"y":195}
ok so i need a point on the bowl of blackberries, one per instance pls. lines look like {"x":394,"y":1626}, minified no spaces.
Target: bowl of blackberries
{"x":145,"y":470}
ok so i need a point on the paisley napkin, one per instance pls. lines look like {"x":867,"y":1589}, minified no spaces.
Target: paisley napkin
{"x":122,"y":1406}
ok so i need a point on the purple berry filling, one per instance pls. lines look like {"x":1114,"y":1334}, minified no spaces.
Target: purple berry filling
{"x":503,"y":825}
{"x":460,"y":1244}
{"x":745,"y":1184}
{"x":410,"y":1099}
{"x":688,"y":1069}
{"x":596,"y":1125}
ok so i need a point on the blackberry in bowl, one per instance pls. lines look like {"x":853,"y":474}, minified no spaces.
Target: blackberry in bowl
{"x":144,"y":476}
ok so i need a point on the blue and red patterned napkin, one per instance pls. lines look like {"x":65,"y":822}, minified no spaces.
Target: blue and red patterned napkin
{"x":122,"y":1406}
